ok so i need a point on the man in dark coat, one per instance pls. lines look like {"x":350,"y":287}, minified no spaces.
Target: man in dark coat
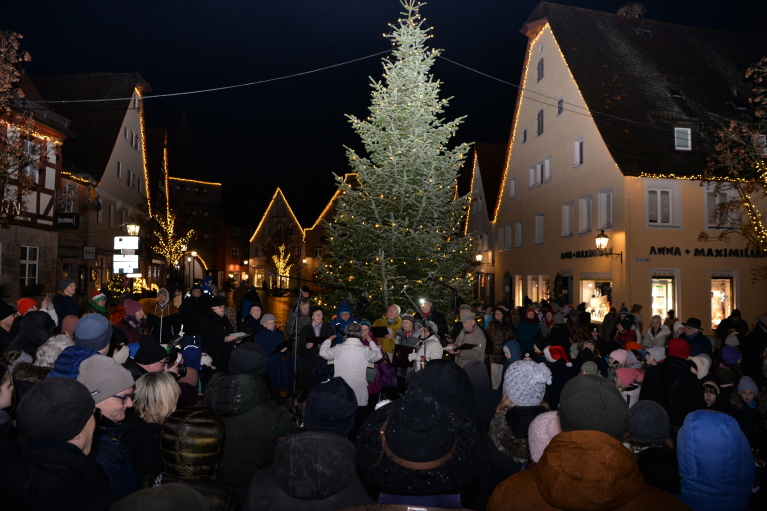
{"x":427,"y":311}
{"x":254,"y":424}
{"x":215,"y":333}
{"x":322,"y":452}
{"x":699,"y":343}
{"x":163,"y":321}
{"x":35,"y":329}
{"x":64,"y":301}
{"x":193,"y":309}
{"x":732,"y":324}
{"x":150,"y":358}
{"x":54,"y":472}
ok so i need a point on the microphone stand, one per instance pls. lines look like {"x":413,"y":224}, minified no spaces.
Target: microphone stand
{"x":416,"y":309}
{"x":457,"y":300}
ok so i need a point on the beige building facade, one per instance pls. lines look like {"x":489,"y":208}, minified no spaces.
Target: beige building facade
{"x":576,"y":166}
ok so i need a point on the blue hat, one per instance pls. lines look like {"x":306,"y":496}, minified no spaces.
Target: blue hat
{"x":344,"y":307}
{"x":68,"y":362}
{"x":366,"y":322}
{"x":93,"y":331}
{"x":192,"y":356}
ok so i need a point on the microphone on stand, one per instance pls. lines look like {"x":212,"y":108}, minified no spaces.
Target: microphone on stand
{"x":405,"y":288}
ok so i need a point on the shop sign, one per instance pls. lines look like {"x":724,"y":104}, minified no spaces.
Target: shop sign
{"x":641,"y":259}
{"x":89,"y":252}
{"x":580,"y":254}
{"x":65,"y":252}
{"x":67,"y":220}
{"x":597,"y":275}
{"x":105,"y":252}
{"x":158,"y":261}
{"x":704,"y":252}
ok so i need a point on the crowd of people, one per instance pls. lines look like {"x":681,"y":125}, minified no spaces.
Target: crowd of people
{"x":212,"y":406}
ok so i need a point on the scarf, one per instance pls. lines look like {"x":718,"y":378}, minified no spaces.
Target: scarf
{"x":533,"y":320}
{"x":317,"y":328}
{"x":102,"y":310}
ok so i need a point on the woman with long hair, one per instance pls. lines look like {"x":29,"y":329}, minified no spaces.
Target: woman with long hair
{"x":154,"y":399}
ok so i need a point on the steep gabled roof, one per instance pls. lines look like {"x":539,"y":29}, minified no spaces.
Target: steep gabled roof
{"x":155,"y":156}
{"x":349,"y":178}
{"x":34,"y":102}
{"x":98,"y":123}
{"x":277,"y":193}
{"x":491,"y":159}
{"x":624,"y":67}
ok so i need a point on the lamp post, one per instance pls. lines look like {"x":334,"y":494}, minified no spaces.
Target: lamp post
{"x":133,"y":229}
{"x":189,"y":270}
{"x":601,"y":240}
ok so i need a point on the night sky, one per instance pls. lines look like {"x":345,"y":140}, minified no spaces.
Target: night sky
{"x":291,"y":133}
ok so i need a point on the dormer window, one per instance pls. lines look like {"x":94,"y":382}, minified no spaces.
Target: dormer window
{"x":683,"y":139}
{"x":540,"y":69}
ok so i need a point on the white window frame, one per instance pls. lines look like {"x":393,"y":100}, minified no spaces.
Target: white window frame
{"x":578,"y":153}
{"x":539,"y":228}
{"x":568,"y":220}
{"x":560,"y":106}
{"x":680,"y":134}
{"x":585,"y":214}
{"x":546,"y":173}
{"x":512,"y":188}
{"x":727,"y":193}
{"x":606,"y":208}
{"x":673,"y":187}
{"x":235,"y":253}
{"x":27,"y":263}
{"x":499,"y":239}
{"x":318,"y":251}
{"x":518,"y":234}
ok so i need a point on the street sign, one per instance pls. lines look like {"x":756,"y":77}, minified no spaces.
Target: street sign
{"x":126,"y":242}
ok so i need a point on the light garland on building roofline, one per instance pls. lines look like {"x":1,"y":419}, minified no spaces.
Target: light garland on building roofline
{"x":194,"y":181}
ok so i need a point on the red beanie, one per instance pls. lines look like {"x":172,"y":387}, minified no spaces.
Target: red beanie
{"x":678,"y":348}
{"x":24,"y":304}
{"x":554,"y":353}
{"x":627,"y":375}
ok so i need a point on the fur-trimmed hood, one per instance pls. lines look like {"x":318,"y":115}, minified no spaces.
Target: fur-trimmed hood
{"x":738,"y":403}
{"x":27,"y":372}
{"x":508,"y":431}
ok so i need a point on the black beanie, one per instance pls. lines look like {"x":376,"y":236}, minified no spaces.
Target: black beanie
{"x":331,"y":408}
{"x":149,"y":351}
{"x":648,"y":422}
{"x":625,"y":323}
{"x":248,"y":358}
{"x":594,"y":403}
{"x":55,"y":410}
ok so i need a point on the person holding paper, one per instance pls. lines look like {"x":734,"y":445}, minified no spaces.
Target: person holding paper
{"x":427,"y":348}
{"x":392,"y":322}
{"x":269,"y":337}
{"x":351,"y":360}
{"x":471,"y":335}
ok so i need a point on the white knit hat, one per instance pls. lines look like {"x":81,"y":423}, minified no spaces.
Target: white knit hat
{"x":525,"y":382}
{"x":542,"y":430}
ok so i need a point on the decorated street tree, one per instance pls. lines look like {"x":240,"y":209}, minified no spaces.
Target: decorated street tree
{"x":739,"y":175}
{"x":170,"y":244}
{"x":402,"y":221}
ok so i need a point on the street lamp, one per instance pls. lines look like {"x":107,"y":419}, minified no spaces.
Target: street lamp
{"x":601,"y":240}
{"x":479,"y":258}
{"x":133,"y":229}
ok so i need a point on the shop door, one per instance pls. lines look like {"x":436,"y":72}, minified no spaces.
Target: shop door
{"x":722,"y":301}
{"x":663,"y":290}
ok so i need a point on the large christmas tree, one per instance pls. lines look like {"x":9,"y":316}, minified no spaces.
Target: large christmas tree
{"x":403,"y":221}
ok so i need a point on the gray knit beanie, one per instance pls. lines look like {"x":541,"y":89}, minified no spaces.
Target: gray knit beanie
{"x":477,"y":372}
{"x":93,"y":332}
{"x":65,"y":283}
{"x":267,"y":317}
{"x":648,"y":422}
{"x":104,"y":377}
{"x":525,"y":382}
{"x":593,"y":403}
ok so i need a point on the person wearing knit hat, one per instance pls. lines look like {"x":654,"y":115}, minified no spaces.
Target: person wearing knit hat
{"x":626,"y":381}
{"x":750,"y":410}
{"x":56,"y":418}
{"x":655,"y":355}
{"x":98,"y":303}
{"x":64,"y":302}
{"x":93,"y":332}
{"x":634,"y":346}
{"x":542,"y":430}
{"x":248,"y":358}
{"x":26,"y":304}
{"x":149,"y":358}
{"x":133,"y":321}
{"x":163,"y":319}
{"x":679,"y":348}
{"x":69,"y":325}
{"x":559,"y":364}
{"x":595,"y":403}
{"x":732,"y":340}
{"x":618,"y":357}
{"x":111,"y":387}
{"x":267,"y":317}
{"x":589,"y":367}
{"x":648,"y":438}
{"x":331,"y":408}
{"x":701,"y":365}
{"x":731,"y":355}
{"x":712,"y":391}
{"x":525,"y":382}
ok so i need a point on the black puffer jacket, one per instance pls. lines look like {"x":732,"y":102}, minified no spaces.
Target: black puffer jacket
{"x":218,"y":496}
{"x":311,"y":471}
{"x":254,"y":425}
{"x":56,"y":475}
{"x":36,"y":327}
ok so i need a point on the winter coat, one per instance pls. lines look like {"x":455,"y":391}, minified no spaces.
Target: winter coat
{"x":35,"y":329}
{"x":658,"y":339}
{"x":269,"y":339}
{"x":109,"y":453}
{"x":584,"y":470}
{"x":751,"y":420}
{"x":56,"y":475}
{"x":253,"y":423}
{"x":608,"y":324}
{"x":426,"y":350}
{"x":310,"y":357}
{"x":724,"y":326}
{"x":631,"y":394}
{"x":10,"y":449}
{"x":526,"y":334}
{"x":135,"y":370}
{"x":212,"y":331}
{"x":250,"y":325}
{"x":307,"y":474}
{"x":293,"y":318}
{"x":5,"y":339}
{"x":351,"y":362}
{"x":752,"y":347}
{"x":672,"y":385}
{"x":163,"y":323}
{"x":25,"y":376}
{"x":142,"y":441}
{"x":339,"y":325}
{"x":476,"y":336}
{"x":626,"y":337}
{"x":508,"y":431}
{"x":498,"y":333}
{"x":715,"y":463}
{"x":68,"y":362}
{"x":219,"y":497}
{"x":64,"y":306}
{"x":438,"y":318}
{"x":192,"y":311}
{"x":560,"y":375}
{"x":699,"y":343}
{"x":133,"y":330}
{"x":386,"y":344}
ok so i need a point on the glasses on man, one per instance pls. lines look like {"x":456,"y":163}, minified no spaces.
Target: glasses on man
{"x":124,"y":399}
{"x":97,"y":414}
